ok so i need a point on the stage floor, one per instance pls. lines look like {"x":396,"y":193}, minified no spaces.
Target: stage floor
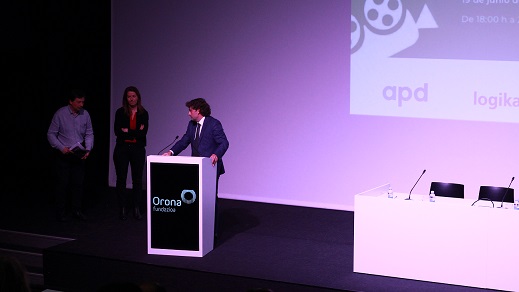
{"x":284,"y":248}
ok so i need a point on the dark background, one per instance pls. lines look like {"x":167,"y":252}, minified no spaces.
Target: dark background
{"x":51,"y":47}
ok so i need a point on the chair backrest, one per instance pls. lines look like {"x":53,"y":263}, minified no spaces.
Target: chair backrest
{"x":444,"y":189}
{"x":496,"y":194}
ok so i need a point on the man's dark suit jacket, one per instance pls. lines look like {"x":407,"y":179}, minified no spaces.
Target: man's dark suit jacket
{"x":212,"y":140}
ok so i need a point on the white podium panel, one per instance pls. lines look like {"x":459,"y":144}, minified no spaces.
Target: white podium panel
{"x":181,"y":193}
{"x":447,"y":241}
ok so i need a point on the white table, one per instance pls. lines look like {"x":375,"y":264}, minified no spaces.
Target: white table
{"x":448,"y":241}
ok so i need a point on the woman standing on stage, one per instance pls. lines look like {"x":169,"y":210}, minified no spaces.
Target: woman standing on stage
{"x":130,"y":127}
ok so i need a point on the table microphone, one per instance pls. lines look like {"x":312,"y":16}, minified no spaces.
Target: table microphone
{"x":168,"y":145}
{"x":409,"y":198}
{"x":504,"y":196}
{"x":483,"y":199}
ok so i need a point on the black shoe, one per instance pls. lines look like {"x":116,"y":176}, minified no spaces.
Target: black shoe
{"x":137,"y":213}
{"x":122,"y":214}
{"x":80,"y":216}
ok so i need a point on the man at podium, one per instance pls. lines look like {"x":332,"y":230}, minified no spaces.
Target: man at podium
{"x":207,"y":138}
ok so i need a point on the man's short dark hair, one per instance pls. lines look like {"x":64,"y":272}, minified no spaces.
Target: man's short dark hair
{"x":76,"y":94}
{"x":200,"y":104}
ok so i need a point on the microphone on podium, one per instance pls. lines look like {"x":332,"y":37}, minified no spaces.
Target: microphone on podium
{"x":168,"y":145}
{"x":504,"y":196}
{"x":409,"y":198}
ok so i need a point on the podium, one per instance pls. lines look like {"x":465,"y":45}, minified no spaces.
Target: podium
{"x":181,"y":193}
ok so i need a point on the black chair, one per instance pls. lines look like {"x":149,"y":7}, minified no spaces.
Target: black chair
{"x":496,"y":194}
{"x":452,"y":190}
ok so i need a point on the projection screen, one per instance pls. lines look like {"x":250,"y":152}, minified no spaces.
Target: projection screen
{"x":321,"y":100}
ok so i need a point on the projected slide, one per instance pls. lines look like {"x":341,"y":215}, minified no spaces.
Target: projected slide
{"x":435,"y":59}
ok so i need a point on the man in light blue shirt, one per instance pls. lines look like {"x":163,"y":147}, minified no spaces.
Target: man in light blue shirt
{"x":72,"y":136}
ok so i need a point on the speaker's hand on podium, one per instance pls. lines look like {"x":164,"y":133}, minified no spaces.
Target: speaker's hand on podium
{"x":214,"y":159}
{"x":167,"y":153}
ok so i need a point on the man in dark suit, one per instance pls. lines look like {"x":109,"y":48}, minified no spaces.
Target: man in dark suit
{"x":207,"y":139}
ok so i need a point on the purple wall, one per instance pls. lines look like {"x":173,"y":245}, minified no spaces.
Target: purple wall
{"x":277,"y":75}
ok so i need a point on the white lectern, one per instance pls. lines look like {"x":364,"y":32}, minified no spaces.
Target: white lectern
{"x":181,"y":193}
